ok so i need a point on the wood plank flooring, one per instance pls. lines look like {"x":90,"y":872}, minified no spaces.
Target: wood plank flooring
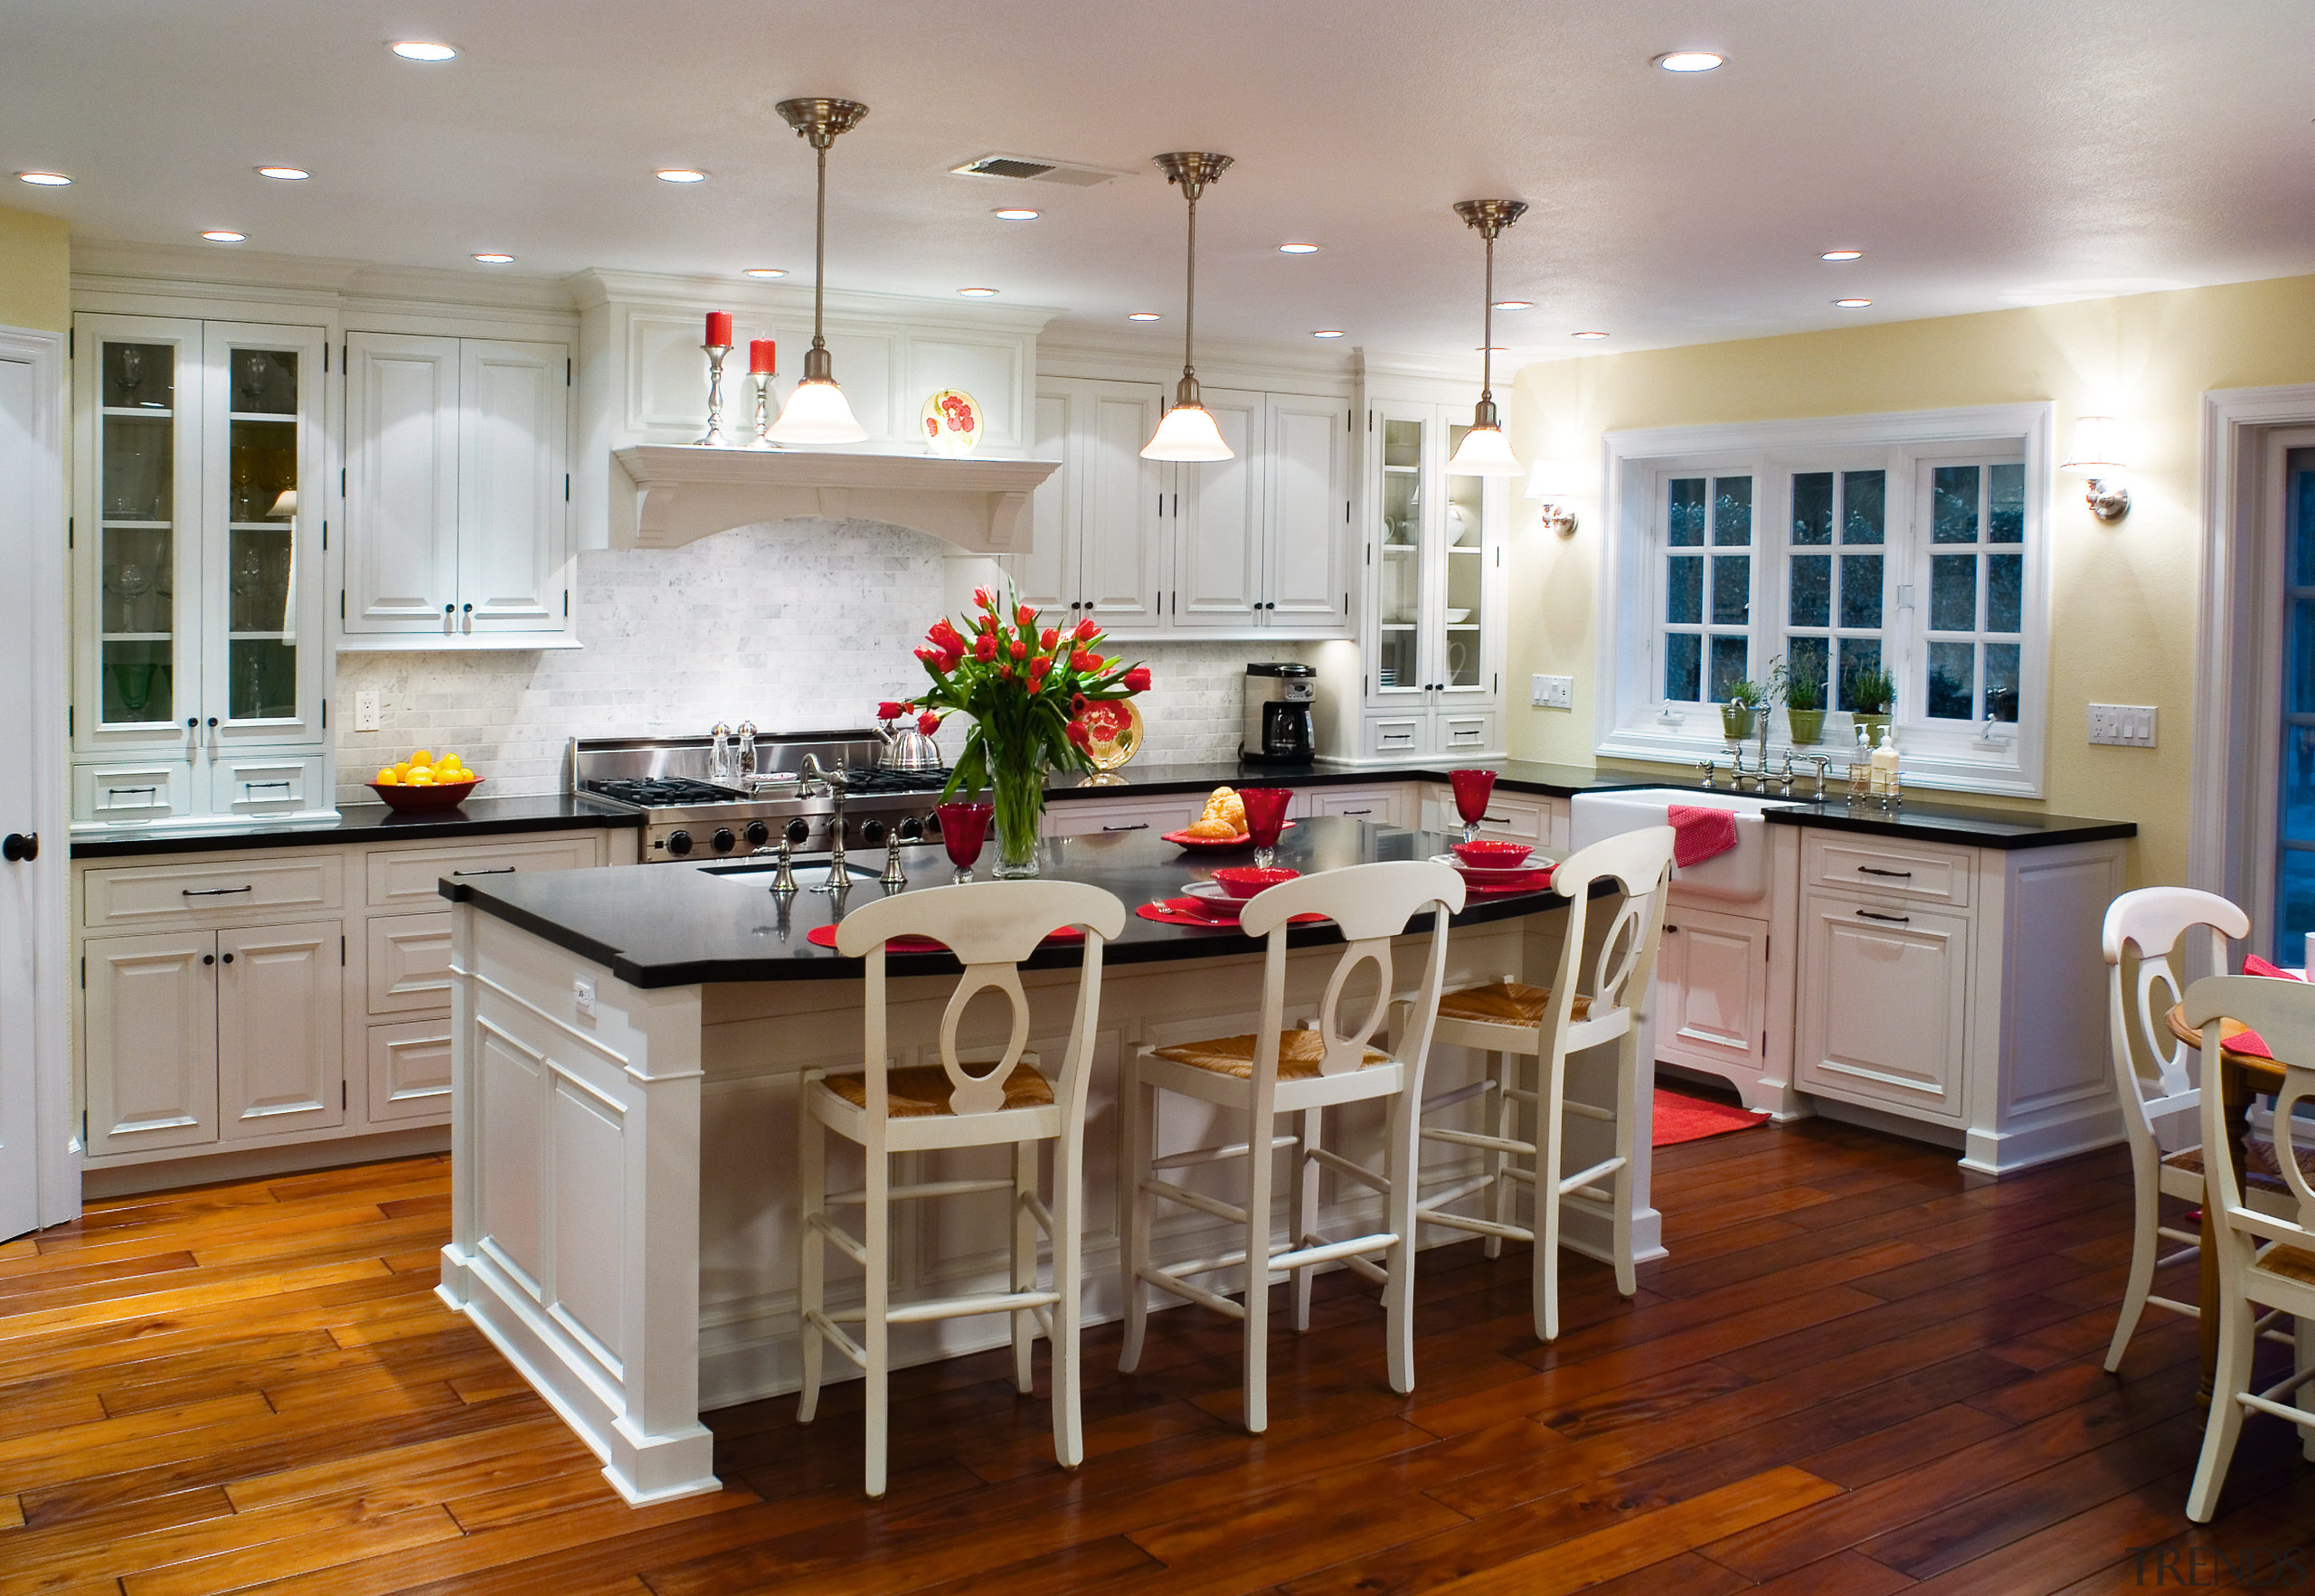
{"x":1854,"y":1374}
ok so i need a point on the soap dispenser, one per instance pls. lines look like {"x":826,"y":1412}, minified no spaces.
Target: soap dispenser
{"x":1885,"y":767}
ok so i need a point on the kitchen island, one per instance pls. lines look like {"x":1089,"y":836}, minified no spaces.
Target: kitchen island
{"x":626,"y":1054}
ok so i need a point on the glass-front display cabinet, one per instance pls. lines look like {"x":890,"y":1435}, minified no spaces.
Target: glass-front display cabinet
{"x":201,"y":651}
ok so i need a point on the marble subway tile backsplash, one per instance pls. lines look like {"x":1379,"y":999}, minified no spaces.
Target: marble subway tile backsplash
{"x":799,"y":625}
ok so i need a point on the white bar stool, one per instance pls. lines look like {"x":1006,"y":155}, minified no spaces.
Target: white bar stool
{"x":991,"y":927}
{"x":1278,"y":1071}
{"x":1509,"y":1021}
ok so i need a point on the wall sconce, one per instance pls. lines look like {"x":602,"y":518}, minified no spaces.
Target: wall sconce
{"x":1551,"y":484}
{"x":2097,"y":454}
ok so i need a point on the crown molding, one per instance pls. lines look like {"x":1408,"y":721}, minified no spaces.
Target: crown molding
{"x":599,"y":286}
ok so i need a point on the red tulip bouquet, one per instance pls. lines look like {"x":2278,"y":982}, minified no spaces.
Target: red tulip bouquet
{"x":1026,"y":690}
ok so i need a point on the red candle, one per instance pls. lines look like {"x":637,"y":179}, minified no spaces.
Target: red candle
{"x":719,"y":329}
{"x":763,"y":358}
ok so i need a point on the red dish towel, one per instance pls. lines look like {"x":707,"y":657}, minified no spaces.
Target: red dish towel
{"x":1699,"y":833}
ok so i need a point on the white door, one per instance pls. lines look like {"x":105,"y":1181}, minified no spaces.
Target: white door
{"x":514,"y":401}
{"x":150,"y":1031}
{"x":1046,"y":576}
{"x":23,"y":676}
{"x":1884,"y":1005}
{"x":401,"y":500}
{"x":1712,"y":992}
{"x":280,"y":1026}
{"x":1217,"y":527}
{"x":1308,"y":530}
{"x":1124,"y":537}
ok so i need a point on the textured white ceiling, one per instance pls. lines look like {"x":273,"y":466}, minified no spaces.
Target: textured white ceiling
{"x":1984,"y":153}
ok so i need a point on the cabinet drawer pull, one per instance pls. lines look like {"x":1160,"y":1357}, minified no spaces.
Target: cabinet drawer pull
{"x":1359,"y":811}
{"x":495,"y":870}
{"x":1497,"y":820}
{"x":1137,"y":825}
{"x":1876,"y":870}
{"x":114,"y":792}
{"x":1889,"y":919}
{"x":214,"y":892}
{"x":253,"y":785}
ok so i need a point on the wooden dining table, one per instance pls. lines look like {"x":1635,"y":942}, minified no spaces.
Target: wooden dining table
{"x":2242,"y":1076}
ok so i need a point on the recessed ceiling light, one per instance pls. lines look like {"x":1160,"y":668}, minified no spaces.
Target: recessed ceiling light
{"x":224,"y":236}
{"x":285,"y":173}
{"x":1690,"y":60}
{"x":1852,"y":303}
{"x":1297,"y":249}
{"x":44,"y":179}
{"x":765,"y":272}
{"x":1141,"y":316}
{"x":679,"y":174}
{"x":1842,"y":255}
{"x":1587,"y":335}
{"x":423,"y":50}
{"x":1014,"y":213}
{"x":977,"y":293}
{"x":1327,"y":332}
{"x":1514,"y":304}
{"x":492,"y":258}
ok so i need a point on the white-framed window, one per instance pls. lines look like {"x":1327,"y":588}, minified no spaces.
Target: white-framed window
{"x":1911,"y":544}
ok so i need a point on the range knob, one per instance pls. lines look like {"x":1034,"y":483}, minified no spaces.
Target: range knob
{"x":758,"y":834}
{"x":872,"y":832}
{"x":912,"y":830}
{"x":679,"y":842}
{"x":722,"y":839}
{"x":798,"y":832}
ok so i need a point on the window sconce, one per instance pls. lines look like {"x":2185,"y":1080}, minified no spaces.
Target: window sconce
{"x":2097,"y":455}
{"x":1551,"y":484}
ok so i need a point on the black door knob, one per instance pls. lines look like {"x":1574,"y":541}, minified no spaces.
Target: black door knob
{"x":229,"y":958}
{"x":209,"y":958}
{"x":758,"y":834}
{"x":722,"y":839}
{"x":19,"y":847}
{"x":679,"y":842}
{"x":798,"y":832}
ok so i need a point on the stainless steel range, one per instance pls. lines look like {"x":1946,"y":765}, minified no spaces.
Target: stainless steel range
{"x":705,"y":797}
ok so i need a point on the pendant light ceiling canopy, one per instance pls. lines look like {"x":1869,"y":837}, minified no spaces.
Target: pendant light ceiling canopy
{"x":816,"y":412}
{"x":1485,"y":451}
{"x":1187,"y":432}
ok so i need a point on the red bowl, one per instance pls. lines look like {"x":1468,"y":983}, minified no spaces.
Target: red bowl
{"x":447,"y":795}
{"x":1243,"y":881}
{"x":1487,"y":853}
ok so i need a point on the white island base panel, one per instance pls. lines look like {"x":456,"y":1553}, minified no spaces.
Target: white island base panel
{"x":624,"y":1209}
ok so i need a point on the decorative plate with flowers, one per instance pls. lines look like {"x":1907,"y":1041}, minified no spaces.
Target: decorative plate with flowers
{"x":951,"y":420}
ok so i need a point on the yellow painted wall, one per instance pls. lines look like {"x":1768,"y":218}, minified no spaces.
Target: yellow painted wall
{"x":35,"y":272}
{"x":2122,"y":597}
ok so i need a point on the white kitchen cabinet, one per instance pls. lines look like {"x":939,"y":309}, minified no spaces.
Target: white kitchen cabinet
{"x":1217,"y":524}
{"x":1885,"y":1005}
{"x":1116,"y":816}
{"x":1712,"y":992}
{"x":202,"y":499}
{"x":457,"y":488}
{"x":1098,"y":543}
{"x":1393,"y":805}
{"x":150,"y":1026}
{"x":280,"y":1021}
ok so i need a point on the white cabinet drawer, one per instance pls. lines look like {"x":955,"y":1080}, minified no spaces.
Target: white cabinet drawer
{"x":1140,"y":816}
{"x":408,"y":962}
{"x":1395,"y":734}
{"x":1922,"y":872}
{"x":410,"y":1069}
{"x":1380,"y":805}
{"x":162,"y":895}
{"x":1472,"y":733}
{"x":407,"y":879}
{"x":1516,"y":816}
{"x":1884,"y":1005}
{"x":151,"y":789}
{"x":260,"y":784}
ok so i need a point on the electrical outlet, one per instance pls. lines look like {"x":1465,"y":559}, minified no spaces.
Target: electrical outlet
{"x":365,"y":711}
{"x":1552,"y":693}
{"x":2121,"y":725}
{"x":582,"y":996}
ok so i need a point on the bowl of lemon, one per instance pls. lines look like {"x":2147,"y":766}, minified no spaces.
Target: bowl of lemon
{"x":425,"y":781}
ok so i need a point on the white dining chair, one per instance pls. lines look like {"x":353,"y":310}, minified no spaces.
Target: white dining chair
{"x":1511,"y":1022}
{"x":990,"y":927}
{"x":2265,"y":1259}
{"x":1300,"y":1072}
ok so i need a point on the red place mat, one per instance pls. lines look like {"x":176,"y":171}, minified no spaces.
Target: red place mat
{"x":1173,"y":914}
{"x":823,"y":936}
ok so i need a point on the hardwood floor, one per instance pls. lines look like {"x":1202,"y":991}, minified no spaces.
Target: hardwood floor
{"x":1854,"y":1374}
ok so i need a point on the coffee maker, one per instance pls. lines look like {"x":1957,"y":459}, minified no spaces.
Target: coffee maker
{"x":1277,"y":729}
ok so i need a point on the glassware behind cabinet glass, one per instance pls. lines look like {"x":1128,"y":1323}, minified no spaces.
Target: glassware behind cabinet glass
{"x":964,"y":829}
{"x":1265,"y":818}
{"x":1473,"y":789}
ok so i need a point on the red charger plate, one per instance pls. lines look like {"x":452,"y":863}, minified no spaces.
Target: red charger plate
{"x":446,"y":795}
{"x":1213,"y":844}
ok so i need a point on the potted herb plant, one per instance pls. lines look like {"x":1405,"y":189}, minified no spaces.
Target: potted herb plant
{"x":1804,"y":703}
{"x":1740,"y":716}
{"x":1871,"y":692}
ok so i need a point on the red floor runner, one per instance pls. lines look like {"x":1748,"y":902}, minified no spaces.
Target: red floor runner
{"x":1681,"y":1118}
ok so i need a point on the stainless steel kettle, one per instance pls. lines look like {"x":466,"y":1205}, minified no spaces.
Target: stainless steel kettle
{"x":906,"y":748}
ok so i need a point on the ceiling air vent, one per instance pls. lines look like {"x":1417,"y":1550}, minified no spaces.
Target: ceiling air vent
{"x":1032,"y":169}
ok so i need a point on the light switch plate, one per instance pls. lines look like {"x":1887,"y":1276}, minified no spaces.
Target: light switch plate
{"x":582,"y":996}
{"x":366,"y":711}
{"x":2121,"y":725}
{"x":1552,"y":693}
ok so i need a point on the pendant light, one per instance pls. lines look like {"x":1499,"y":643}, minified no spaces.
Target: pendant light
{"x":1186,"y":431}
{"x":815,"y":412}
{"x":1485,"y":451}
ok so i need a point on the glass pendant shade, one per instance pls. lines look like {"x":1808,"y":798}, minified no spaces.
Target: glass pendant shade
{"x":1187,"y":432}
{"x":1485,"y":452}
{"x":817,"y":413}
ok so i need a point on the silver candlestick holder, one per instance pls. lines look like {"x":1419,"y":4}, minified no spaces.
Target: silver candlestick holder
{"x":763,"y":410}
{"x":715,"y":354}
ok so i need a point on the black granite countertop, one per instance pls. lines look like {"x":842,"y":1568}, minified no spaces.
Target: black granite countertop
{"x":371,"y":823}
{"x":1954,"y":823}
{"x":1156,"y":781}
{"x":679,"y":925}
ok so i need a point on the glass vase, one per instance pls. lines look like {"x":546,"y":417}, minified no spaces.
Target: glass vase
{"x":1017,"y":786}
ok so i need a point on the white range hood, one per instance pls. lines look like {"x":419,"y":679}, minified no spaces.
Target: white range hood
{"x":683,"y":492}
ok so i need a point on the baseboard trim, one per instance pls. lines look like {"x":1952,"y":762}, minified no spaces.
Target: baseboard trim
{"x":208,"y":1168}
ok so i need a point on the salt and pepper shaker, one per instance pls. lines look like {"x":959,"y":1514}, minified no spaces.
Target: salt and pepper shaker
{"x":747,"y":755}
{"x":718,"y":753}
